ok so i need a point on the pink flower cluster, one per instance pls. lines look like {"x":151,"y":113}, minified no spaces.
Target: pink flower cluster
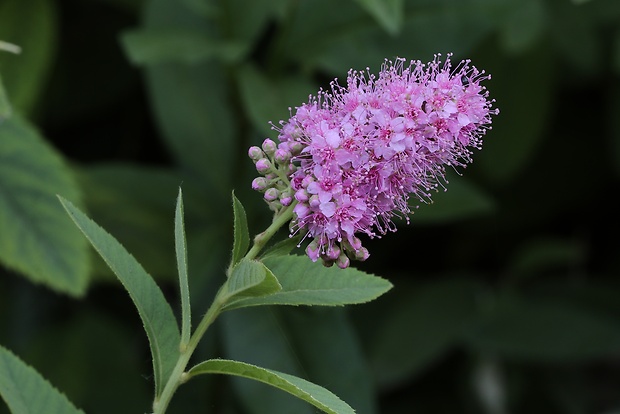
{"x":350,"y":158}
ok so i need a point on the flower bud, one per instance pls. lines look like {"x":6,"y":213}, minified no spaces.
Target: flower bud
{"x":263,"y":166}
{"x":255,"y":153}
{"x":343,"y":261}
{"x":259,"y":184}
{"x":272,"y":194}
{"x":286,"y":201}
{"x":333,"y":252}
{"x":295,"y":147}
{"x":362,"y":254}
{"x":313,"y":250}
{"x":269,"y":147}
{"x":282,"y":156}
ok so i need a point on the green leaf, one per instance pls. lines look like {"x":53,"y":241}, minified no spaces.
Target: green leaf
{"x":31,"y":24}
{"x":388,"y":13}
{"x":267,"y":99}
{"x":147,"y":46}
{"x":329,"y":329}
{"x":348,"y":39}
{"x":5,"y":106}
{"x":300,"y":388}
{"x":242,"y":235}
{"x":307,"y":283}
{"x":181,"y":252}
{"x":192,"y":108}
{"x":282,"y":248}
{"x":36,"y":238}
{"x":249,"y":279}
{"x":418,"y":326}
{"x":543,"y":331}
{"x":26,"y":391}
{"x":462,"y":200}
{"x":260,"y":336}
{"x":157,"y":317}
{"x":510,"y":146}
{"x":523,"y":26}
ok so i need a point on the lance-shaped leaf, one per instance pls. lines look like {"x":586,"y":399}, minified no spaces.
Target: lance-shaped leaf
{"x":300,"y":388}
{"x":26,"y":391}
{"x":308,"y":283}
{"x":159,"y":321}
{"x":242,"y":235}
{"x":181,"y":251}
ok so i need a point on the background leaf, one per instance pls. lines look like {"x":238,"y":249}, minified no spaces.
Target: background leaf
{"x":157,"y":317}
{"x":26,"y":391}
{"x":5,"y":106}
{"x":31,"y":25}
{"x":33,"y":223}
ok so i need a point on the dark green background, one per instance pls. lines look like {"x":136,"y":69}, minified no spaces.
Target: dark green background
{"x":506,"y":296}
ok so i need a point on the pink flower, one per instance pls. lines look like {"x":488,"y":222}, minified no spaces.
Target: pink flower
{"x":365,"y":148}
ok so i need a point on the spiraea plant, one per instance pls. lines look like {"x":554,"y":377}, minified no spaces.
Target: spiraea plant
{"x":347,"y":163}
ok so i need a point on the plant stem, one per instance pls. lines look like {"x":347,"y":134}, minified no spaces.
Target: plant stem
{"x":176,"y":377}
{"x":262,"y":238}
{"x":161,"y":403}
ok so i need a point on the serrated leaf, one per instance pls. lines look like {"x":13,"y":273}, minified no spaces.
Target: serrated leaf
{"x":250,"y":278}
{"x":307,"y":283}
{"x":36,"y":238}
{"x":287,"y":340}
{"x":148,"y":46}
{"x":181,"y":253}
{"x":241,"y":233}
{"x":30,"y":24}
{"x":157,"y":317}
{"x":26,"y":391}
{"x":282,"y":248}
{"x":300,"y":388}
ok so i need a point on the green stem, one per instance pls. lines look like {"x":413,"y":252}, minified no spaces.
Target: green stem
{"x":283,"y":217}
{"x":160,"y":405}
{"x":176,"y":378}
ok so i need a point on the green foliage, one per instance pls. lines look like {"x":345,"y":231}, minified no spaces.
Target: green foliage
{"x":307,"y":283}
{"x":181,"y":253}
{"x":31,"y":25}
{"x":241,"y":241}
{"x":505,"y":282}
{"x":36,"y":239}
{"x":26,"y":391}
{"x":307,"y":391}
{"x":157,"y":317}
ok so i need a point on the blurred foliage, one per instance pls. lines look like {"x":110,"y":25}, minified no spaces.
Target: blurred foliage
{"x":506,"y":295}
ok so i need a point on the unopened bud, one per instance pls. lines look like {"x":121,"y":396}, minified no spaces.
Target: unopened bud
{"x":301,"y":195}
{"x":269,"y":147}
{"x":343,"y":261}
{"x":255,"y":153}
{"x":263,"y":166}
{"x":282,"y":156}
{"x":259,"y":184}
{"x":272,"y":194}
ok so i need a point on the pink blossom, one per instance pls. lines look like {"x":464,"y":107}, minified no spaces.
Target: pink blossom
{"x":362,"y":150}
